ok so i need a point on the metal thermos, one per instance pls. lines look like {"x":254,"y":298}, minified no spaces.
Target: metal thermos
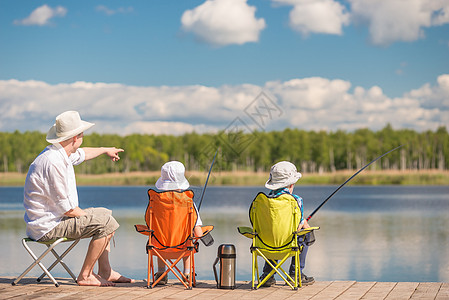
{"x":226,"y":257}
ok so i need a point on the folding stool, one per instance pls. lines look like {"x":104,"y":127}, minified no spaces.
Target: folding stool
{"x":50,"y":248}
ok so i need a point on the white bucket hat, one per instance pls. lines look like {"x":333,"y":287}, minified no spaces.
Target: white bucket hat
{"x":282,"y":174}
{"x":172,"y":177}
{"x":68,"y":124}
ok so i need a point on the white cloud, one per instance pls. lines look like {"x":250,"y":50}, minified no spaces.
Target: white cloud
{"x":42,"y":15}
{"x":309,"y":103}
{"x":108,"y":11}
{"x":399,"y":20}
{"x":322,"y":104}
{"x":32,"y":105}
{"x":388,"y":21}
{"x":223,"y":22}
{"x":434,"y":97}
{"x":169,"y":128}
{"x":317,"y":16}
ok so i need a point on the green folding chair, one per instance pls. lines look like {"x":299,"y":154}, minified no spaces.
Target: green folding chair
{"x":37,"y":260}
{"x":274,"y":236}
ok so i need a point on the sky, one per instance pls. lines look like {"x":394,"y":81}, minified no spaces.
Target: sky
{"x":178,"y":66}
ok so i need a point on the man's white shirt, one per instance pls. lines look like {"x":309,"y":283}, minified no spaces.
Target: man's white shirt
{"x":50,"y":189}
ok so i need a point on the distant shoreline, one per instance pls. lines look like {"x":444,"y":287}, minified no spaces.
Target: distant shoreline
{"x":244,"y":178}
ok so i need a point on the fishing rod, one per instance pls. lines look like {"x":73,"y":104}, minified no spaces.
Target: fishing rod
{"x":207,"y":179}
{"x":355,"y":174}
{"x":207,"y":238}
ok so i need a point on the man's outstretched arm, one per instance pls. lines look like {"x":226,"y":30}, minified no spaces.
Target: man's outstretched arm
{"x":112,"y":152}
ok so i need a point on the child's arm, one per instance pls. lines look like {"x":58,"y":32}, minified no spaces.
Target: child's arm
{"x":305,"y":224}
{"x":197,"y":231}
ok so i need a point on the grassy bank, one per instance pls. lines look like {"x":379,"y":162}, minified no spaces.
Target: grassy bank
{"x":240,"y":178}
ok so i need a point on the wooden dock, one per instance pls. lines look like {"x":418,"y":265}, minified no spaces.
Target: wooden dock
{"x":206,"y":289}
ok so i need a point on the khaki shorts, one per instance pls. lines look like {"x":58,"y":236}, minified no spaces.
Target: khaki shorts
{"x":97,"y":224}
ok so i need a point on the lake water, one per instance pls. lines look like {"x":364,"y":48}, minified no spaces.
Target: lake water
{"x":368,"y":233}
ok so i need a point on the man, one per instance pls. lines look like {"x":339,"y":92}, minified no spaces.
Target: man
{"x":51,"y":199}
{"x":283,"y":177}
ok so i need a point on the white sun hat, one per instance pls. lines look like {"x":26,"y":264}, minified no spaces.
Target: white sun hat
{"x":282,"y":174}
{"x":172,"y":177}
{"x":68,"y":124}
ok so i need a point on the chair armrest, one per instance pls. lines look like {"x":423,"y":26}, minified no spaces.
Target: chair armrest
{"x":206,"y":238}
{"x":304,"y":231}
{"x":247,"y":232}
{"x":206,"y":229}
{"x":143,"y":229}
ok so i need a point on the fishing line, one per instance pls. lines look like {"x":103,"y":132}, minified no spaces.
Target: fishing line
{"x":355,"y":174}
{"x":207,"y":180}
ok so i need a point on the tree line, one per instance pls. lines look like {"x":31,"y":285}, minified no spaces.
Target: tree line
{"x":311,"y":151}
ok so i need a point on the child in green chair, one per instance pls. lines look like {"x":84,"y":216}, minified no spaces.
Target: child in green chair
{"x":283,"y":176}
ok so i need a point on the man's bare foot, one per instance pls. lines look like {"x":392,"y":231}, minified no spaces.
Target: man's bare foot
{"x":115,"y":277}
{"x":94,"y":280}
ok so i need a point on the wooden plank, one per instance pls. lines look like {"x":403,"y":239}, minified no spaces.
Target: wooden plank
{"x":19,"y":291}
{"x":402,"y":290}
{"x":273,"y":292}
{"x":73,"y":293}
{"x":379,"y":291}
{"x":29,"y":289}
{"x":196,"y":292}
{"x":211,"y":294}
{"x":160,"y":292}
{"x":443,"y":293}
{"x":239,"y":293}
{"x":138,"y":292}
{"x":35,"y":290}
{"x":53,"y":293}
{"x":308,"y":292}
{"x":335,"y":289}
{"x":357,"y":290}
{"x":426,"y":290}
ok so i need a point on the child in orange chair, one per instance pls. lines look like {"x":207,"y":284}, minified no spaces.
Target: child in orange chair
{"x":173,"y":178}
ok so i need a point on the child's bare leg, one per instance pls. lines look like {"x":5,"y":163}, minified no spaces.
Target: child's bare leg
{"x":187,"y":264}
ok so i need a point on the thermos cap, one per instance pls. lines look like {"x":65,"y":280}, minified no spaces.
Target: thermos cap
{"x":226,"y":249}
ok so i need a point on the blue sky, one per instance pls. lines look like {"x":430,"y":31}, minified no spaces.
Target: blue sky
{"x":178,"y":66}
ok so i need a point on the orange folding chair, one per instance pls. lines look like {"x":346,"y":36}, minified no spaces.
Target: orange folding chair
{"x":170,"y":219}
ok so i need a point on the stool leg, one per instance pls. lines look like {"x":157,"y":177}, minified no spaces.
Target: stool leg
{"x":37,"y":261}
{"x":59,"y":260}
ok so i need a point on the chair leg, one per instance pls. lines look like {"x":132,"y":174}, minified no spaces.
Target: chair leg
{"x":254,"y":268}
{"x":275,"y":269}
{"x":59,"y":260}
{"x":150,"y":269}
{"x":171,"y":267}
{"x":193,"y":276}
{"x":37,"y":261}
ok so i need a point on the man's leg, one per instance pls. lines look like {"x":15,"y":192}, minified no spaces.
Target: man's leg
{"x":105,"y":269}
{"x":94,"y":252}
